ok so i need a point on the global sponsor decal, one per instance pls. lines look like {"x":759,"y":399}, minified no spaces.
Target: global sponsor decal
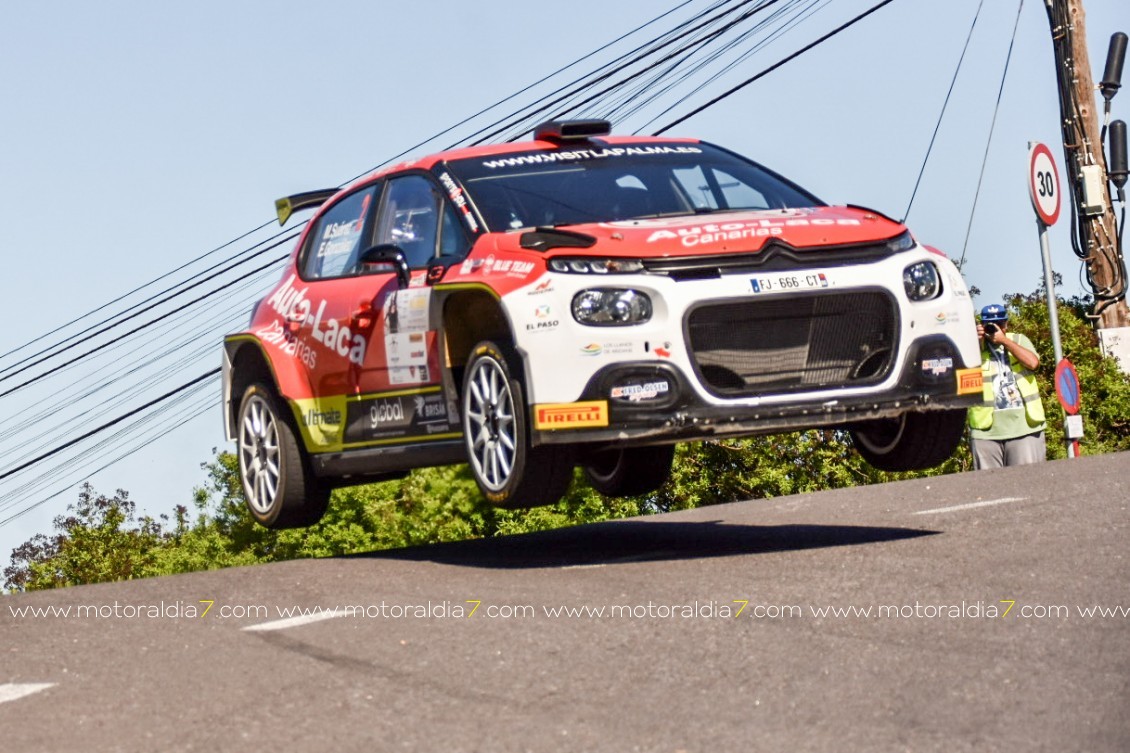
{"x":392,"y":416}
{"x":551,"y":416}
{"x":384,"y":412}
{"x":969,"y":381}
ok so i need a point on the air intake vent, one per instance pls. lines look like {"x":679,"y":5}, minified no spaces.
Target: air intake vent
{"x":747,"y":348}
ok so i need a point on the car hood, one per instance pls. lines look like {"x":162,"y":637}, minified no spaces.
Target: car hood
{"x":726,"y":232}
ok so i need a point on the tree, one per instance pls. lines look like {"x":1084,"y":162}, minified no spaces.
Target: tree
{"x":102,"y":540}
{"x":1104,"y":387}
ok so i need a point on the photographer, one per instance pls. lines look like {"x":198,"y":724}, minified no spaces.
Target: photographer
{"x":1008,"y":427}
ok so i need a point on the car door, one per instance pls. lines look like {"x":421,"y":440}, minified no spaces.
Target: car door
{"x":330,"y":325}
{"x":400,"y":385}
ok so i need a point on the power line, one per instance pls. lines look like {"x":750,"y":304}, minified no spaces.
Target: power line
{"x":989,"y":140}
{"x":772,"y":68}
{"x":942,"y":114}
{"x":107,"y":425}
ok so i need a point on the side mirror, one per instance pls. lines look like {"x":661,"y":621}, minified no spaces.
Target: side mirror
{"x":390,"y":255}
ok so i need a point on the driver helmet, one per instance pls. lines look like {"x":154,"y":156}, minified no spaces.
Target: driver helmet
{"x":995,"y":313}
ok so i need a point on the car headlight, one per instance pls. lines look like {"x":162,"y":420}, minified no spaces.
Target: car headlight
{"x":903,"y":242}
{"x":587,"y":266}
{"x":921,"y":281}
{"x":610,"y":307}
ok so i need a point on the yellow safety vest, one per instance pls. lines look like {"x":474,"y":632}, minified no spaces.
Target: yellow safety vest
{"x":981,"y":416}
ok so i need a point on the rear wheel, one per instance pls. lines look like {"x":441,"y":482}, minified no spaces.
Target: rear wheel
{"x":911,"y":442}
{"x":281,"y":492}
{"x":509,"y":472}
{"x":629,"y":472}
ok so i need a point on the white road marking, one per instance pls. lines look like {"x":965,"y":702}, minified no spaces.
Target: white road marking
{"x":13,"y":691}
{"x":290,"y":622}
{"x":972,"y":505}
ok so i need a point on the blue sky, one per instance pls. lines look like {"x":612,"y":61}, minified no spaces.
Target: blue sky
{"x":139,"y":135}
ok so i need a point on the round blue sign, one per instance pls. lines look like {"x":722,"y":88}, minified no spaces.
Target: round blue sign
{"x":1067,"y":387}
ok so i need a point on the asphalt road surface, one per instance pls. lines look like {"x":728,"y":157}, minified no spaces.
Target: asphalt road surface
{"x":957,"y":614}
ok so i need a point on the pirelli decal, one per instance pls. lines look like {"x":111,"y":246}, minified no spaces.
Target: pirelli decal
{"x":550,"y":416}
{"x":968,"y":381}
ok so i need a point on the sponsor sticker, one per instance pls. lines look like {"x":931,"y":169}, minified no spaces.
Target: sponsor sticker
{"x":592,"y":349}
{"x":573,"y":155}
{"x":638,"y":392}
{"x":968,"y":381}
{"x":491,"y":265}
{"x":395,"y":415}
{"x":545,"y":286}
{"x":937,"y":366}
{"x":571,"y":415}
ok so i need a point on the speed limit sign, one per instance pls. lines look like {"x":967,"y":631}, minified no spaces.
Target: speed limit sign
{"x":1043,"y":183}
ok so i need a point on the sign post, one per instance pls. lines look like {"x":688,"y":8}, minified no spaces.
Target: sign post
{"x":1043,"y":187}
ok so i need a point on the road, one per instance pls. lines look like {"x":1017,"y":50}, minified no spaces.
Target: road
{"x":963,"y":625}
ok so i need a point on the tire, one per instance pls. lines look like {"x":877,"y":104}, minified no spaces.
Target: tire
{"x":280,"y":489}
{"x":509,"y":472}
{"x":912,"y":442}
{"x":629,"y":472}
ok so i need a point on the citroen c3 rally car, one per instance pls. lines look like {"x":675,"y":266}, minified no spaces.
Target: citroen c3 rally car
{"x":585,"y":299}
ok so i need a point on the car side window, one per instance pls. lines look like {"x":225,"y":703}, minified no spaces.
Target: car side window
{"x":410,"y":218}
{"x":453,"y":239}
{"x":335,"y":243}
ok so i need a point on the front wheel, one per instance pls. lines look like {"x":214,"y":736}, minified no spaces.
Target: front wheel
{"x":911,"y":442}
{"x":509,"y":472}
{"x":281,"y":492}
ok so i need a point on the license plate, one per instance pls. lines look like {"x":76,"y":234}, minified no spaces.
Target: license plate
{"x":786,"y":282}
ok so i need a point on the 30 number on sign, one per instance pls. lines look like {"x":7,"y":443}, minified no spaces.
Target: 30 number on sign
{"x":1043,"y":183}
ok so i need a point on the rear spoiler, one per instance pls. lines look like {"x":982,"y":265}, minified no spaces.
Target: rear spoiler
{"x":288,"y":205}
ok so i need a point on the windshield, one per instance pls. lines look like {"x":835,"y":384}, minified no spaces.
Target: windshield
{"x":609,"y":183}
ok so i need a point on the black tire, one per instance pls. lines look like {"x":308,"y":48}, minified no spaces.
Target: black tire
{"x":280,"y":489}
{"x":629,"y":472}
{"x":912,"y":442}
{"x":509,"y":472}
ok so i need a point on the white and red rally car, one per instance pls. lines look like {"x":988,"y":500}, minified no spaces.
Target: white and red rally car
{"x":585,"y":299}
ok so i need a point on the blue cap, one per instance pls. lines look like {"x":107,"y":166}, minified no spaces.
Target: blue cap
{"x":994,"y":312}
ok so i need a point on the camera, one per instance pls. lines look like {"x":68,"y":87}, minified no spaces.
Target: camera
{"x":990,"y":329}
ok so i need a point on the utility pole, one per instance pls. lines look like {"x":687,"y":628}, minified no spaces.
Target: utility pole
{"x":1094,"y":232}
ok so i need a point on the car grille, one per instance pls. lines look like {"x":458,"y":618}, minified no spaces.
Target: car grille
{"x":796,"y":343}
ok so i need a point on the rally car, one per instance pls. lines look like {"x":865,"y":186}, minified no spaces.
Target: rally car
{"x":588,"y":300}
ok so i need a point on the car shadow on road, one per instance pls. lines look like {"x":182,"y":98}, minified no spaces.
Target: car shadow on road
{"x":641,"y":541}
